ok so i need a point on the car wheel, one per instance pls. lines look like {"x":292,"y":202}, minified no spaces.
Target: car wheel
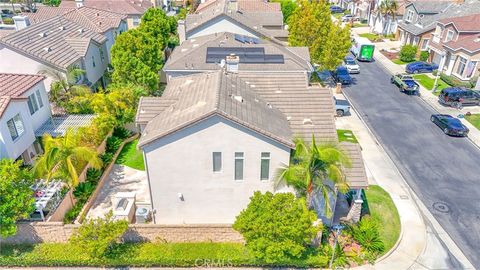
{"x":415,"y":71}
{"x":340,"y":113}
{"x":445,"y":131}
{"x":455,"y":104}
{"x":432,"y":118}
{"x":391,"y":80}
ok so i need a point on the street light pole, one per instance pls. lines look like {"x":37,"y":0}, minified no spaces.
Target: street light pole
{"x":338,"y":230}
{"x":439,"y":70}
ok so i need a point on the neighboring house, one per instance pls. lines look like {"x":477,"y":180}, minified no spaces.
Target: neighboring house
{"x":455,"y":46}
{"x":250,"y":18}
{"x":214,"y":138}
{"x":58,"y":44}
{"x":381,"y":23}
{"x":24,"y":107}
{"x":133,"y":9}
{"x":208,"y":53}
{"x":107,"y":23}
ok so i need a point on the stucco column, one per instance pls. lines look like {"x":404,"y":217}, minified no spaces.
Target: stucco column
{"x":477,"y":86}
{"x":355,"y":211}
{"x":451,"y":64}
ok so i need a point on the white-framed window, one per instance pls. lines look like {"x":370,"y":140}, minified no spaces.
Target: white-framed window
{"x":461,"y":66}
{"x":102,"y":56}
{"x":409,"y":16}
{"x":239,"y":159}
{"x":32,"y":104}
{"x":265,"y":166}
{"x":15,"y":127}
{"x":449,"y":36}
{"x":424,"y":44}
{"x":39,"y":99}
{"x":217,"y":161}
{"x":471,"y":67}
{"x":136,"y":21}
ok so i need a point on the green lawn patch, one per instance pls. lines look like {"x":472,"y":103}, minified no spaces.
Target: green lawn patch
{"x":399,"y":62}
{"x":355,"y":25}
{"x":145,"y":255}
{"x":428,"y":82}
{"x":370,"y":36}
{"x":131,"y":157}
{"x":474,"y":119}
{"x":382,"y":208}
{"x":345,"y":135}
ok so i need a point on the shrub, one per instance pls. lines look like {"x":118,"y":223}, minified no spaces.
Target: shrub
{"x":83,"y":191}
{"x":277,"y":227}
{"x":407,"y":53}
{"x":121,"y":132}
{"x":106,"y":159}
{"x":72,"y":214}
{"x":367,"y":234}
{"x":93,"y":175}
{"x":113,"y":143}
{"x":7,"y":20}
{"x":98,"y":237}
{"x":424,"y":56}
{"x":453,"y":81}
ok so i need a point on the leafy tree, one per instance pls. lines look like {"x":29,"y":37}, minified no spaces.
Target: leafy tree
{"x":99,"y":236}
{"x":156,"y":23}
{"x":312,"y":167}
{"x":137,"y":58}
{"x":288,"y":7}
{"x":311,"y":26}
{"x":277,"y":227}
{"x":388,"y":10}
{"x":61,"y":157}
{"x":16,"y":196}
{"x":51,"y":3}
{"x":63,"y":86}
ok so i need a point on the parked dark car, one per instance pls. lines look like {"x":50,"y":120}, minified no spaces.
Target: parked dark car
{"x":336,"y":9}
{"x":406,"y":84}
{"x":450,"y":125}
{"x":420,"y":67}
{"x":342,"y":76}
{"x":458,"y":97}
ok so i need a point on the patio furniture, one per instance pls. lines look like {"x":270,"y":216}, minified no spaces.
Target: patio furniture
{"x":48,"y":196}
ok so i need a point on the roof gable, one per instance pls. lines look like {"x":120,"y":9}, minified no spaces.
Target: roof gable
{"x":13,"y":86}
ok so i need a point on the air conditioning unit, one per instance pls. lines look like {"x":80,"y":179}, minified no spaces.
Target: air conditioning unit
{"x":142,"y":215}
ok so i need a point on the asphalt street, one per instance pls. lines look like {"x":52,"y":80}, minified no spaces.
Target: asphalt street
{"x":443,"y":171}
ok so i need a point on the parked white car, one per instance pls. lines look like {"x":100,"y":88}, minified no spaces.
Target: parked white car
{"x":349,"y":17}
{"x":351,"y":65}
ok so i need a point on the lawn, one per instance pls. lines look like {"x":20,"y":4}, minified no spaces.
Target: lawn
{"x":345,"y":135}
{"x":382,"y":208}
{"x":474,"y":119}
{"x":400,"y":62}
{"x":370,"y":36}
{"x":145,"y":255}
{"x":428,"y":82}
{"x":131,"y":157}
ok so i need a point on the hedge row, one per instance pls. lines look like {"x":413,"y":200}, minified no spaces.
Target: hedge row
{"x":145,"y":255}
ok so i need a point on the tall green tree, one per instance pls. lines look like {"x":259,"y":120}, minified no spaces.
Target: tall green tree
{"x":311,"y":25}
{"x":63,"y":86}
{"x":156,"y":22}
{"x":61,"y":157}
{"x":288,"y":7}
{"x":16,"y":196}
{"x":312,"y":167}
{"x":277,"y":227}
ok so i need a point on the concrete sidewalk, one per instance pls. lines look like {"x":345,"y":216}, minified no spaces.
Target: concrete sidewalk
{"x":420,"y":246}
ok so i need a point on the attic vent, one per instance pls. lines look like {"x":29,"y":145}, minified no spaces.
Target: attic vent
{"x":256,"y":100}
{"x":269,"y":106}
{"x":81,"y":30}
{"x":252,"y":85}
{"x":61,"y":27}
{"x":43,"y":34}
{"x":47,"y":49}
{"x":307,"y":121}
{"x":97,"y":14}
{"x":237,"y":98}
{"x":142,"y":111}
{"x":288,"y":118}
{"x":278,"y":91}
{"x":477,"y":39}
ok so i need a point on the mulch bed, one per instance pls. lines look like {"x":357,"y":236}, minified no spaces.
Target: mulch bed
{"x":390,"y":55}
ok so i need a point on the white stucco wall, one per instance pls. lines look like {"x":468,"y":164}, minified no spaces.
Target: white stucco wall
{"x":219,"y":25}
{"x":94,"y":73}
{"x":182,"y":163}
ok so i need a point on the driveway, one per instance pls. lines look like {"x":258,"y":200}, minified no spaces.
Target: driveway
{"x":443,"y":171}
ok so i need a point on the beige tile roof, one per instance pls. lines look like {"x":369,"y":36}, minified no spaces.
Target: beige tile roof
{"x":94,"y":19}
{"x":149,"y":107}
{"x":127,"y":7}
{"x":356,"y":175}
{"x":203,"y":95}
{"x":56,"y":41}
{"x":192,"y":55}
{"x":255,"y":21}
{"x":246,"y":5}
{"x":13,"y":86}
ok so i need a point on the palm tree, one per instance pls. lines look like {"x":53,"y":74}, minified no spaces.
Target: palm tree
{"x":60,"y":157}
{"x":311,"y":169}
{"x":388,"y":9}
{"x":63,"y":85}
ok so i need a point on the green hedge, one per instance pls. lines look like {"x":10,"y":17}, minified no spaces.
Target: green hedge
{"x":144,"y":255}
{"x":454,"y":81}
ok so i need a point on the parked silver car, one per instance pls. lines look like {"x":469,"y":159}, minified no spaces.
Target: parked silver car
{"x":342,"y":107}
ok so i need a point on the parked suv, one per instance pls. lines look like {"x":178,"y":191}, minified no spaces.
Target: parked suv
{"x":458,"y":97}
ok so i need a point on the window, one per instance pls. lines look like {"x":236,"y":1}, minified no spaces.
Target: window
{"x":39,"y":98}
{"x":239,"y":165}
{"x":265,"y":166}
{"x":409,"y":17}
{"x":449,"y":36}
{"x":217,"y":161}
{"x":424,"y":44}
{"x":93,"y":61}
{"x":32,"y":104}
{"x":102,"y":56}
{"x":461,"y":66}
{"x":136,"y":21}
{"x":471,"y":69}
{"x":15,"y":126}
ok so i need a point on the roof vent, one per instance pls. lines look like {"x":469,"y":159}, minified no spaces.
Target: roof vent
{"x":47,"y":49}
{"x":269,"y":106}
{"x":278,"y":91}
{"x":237,"y":98}
{"x":97,"y":14}
{"x":61,"y":28}
{"x":307,"y":121}
{"x":477,"y":39}
{"x":142,"y":111}
{"x":80,"y":30}
{"x":42,"y":34}
{"x":288,"y":118}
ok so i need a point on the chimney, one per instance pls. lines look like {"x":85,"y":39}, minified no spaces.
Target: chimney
{"x":232,"y":63}
{"x":79,"y":3}
{"x":181,"y":30}
{"x":21,"y":22}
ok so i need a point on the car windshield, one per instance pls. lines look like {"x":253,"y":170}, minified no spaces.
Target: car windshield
{"x":455,"y":123}
{"x":350,"y":62}
{"x":342,"y":71}
{"x":407,"y":78}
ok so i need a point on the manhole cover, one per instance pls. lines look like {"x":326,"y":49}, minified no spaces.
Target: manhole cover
{"x":441,"y":207}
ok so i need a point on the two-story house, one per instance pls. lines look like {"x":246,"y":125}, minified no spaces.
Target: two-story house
{"x":132,"y":9}
{"x":58,"y":44}
{"x":455,"y":46}
{"x":24,"y":107}
{"x":106,"y":23}
{"x":254,"y":18}
{"x":207,"y":53}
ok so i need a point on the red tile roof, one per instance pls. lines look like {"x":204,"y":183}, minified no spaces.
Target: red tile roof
{"x":470,"y":43}
{"x":13,"y":86}
{"x":470,"y":23}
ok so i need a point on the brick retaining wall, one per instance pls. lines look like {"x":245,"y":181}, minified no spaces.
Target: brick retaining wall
{"x":57,"y":232}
